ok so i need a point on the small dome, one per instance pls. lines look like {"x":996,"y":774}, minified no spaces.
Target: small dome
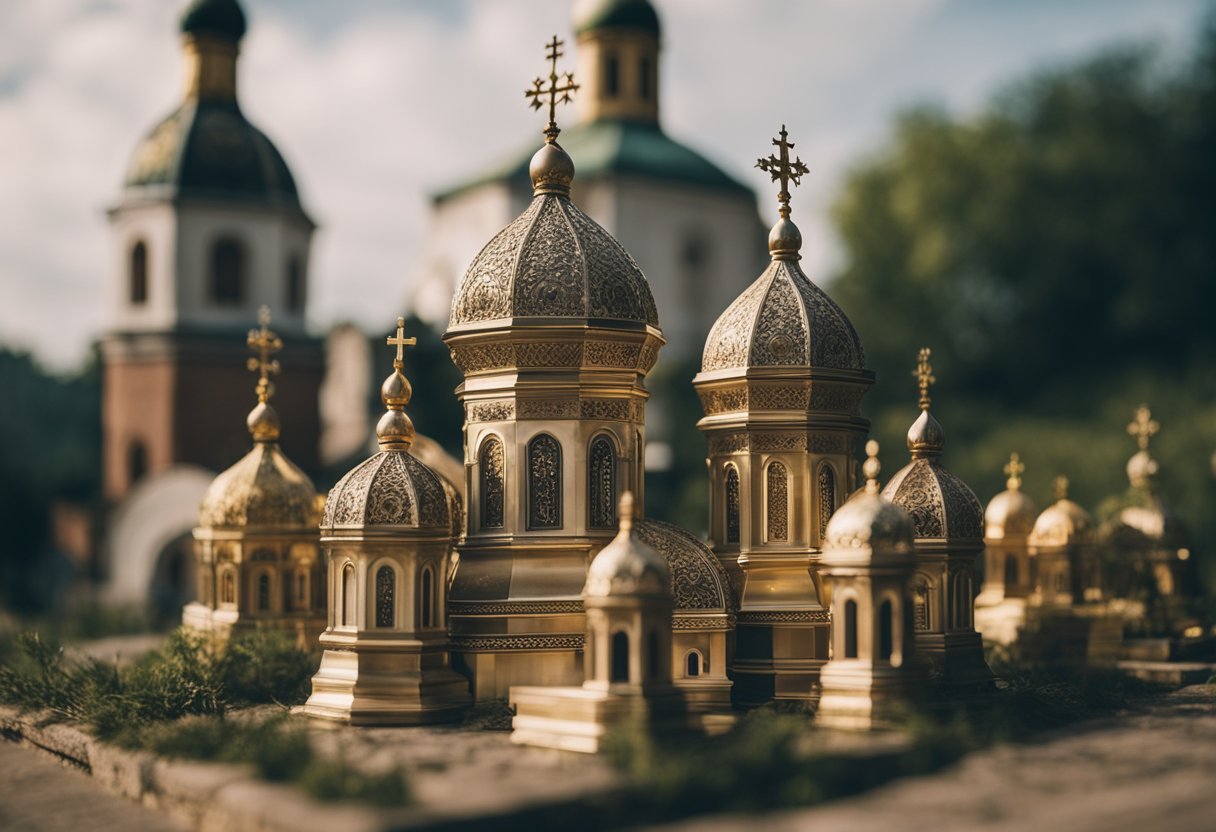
{"x":1061,"y":523}
{"x":783,"y":320}
{"x":868,"y":525}
{"x":1142,"y":470}
{"x":627,"y":566}
{"x":391,"y":489}
{"x":554,"y":261}
{"x":1010,"y":513}
{"x":941,"y":504}
{"x":698,"y":581}
{"x":605,"y":14}
{"x":263,"y":489}
{"x":222,"y":18}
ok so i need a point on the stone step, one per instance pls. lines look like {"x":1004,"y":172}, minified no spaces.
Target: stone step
{"x":1176,"y":674}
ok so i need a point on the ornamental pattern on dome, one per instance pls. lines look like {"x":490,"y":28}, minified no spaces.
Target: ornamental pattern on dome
{"x":263,"y":489}
{"x":698,"y":581}
{"x":553,"y":261}
{"x":941,"y":505}
{"x":783,"y":319}
{"x":391,"y":488}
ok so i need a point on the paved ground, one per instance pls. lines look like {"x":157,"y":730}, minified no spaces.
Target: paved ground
{"x":39,"y":795}
{"x":1152,"y":771}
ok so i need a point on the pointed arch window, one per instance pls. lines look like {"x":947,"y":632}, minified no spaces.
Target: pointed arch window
{"x":827,"y":496}
{"x":295,"y":284}
{"x":620,"y":657}
{"x":348,"y":596}
{"x":301,"y":589}
{"x":228,"y":587}
{"x":544,"y":483}
{"x":386,"y":597}
{"x":692,"y":664}
{"x":227,"y":271}
{"x":493,"y":489}
{"x":886,"y":631}
{"x":850,"y":629}
{"x":263,"y":592}
{"x":612,"y":76}
{"x":139,"y":274}
{"x":778,"y":502}
{"x":601,"y":490}
{"x":732,"y":504}
{"x":920,"y":605}
{"x":426,"y":600}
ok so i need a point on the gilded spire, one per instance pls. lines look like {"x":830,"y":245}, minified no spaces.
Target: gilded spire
{"x":552,"y":169}
{"x":1142,"y":468}
{"x":625,"y":513}
{"x":395,"y":431}
{"x":785,"y":239}
{"x":926,"y":437}
{"x":1143,"y":427}
{"x":1014,"y":469}
{"x":1061,"y":487}
{"x":871,"y":467}
{"x":924,"y":376}
{"x":263,"y":422}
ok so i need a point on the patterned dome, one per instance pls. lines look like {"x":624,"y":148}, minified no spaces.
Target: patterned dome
{"x":263,"y":489}
{"x":1010,"y":513}
{"x":941,"y":504}
{"x":1061,"y":523}
{"x":782,"y":320}
{"x":554,"y":261}
{"x":868,"y":524}
{"x":627,"y":566}
{"x":698,"y":581}
{"x":391,"y":489}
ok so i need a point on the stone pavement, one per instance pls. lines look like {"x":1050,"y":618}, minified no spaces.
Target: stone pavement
{"x":38,"y":794}
{"x":1145,"y":771}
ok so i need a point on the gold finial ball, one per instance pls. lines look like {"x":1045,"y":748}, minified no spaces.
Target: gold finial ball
{"x":871,"y":467}
{"x":396,"y":390}
{"x":785,"y":240}
{"x":625,"y":511}
{"x":1141,"y":469}
{"x":395,"y":431}
{"x":551,"y":169}
{"x":263,"y":423}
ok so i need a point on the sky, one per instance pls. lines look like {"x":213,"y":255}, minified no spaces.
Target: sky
{"x":378,"y":104}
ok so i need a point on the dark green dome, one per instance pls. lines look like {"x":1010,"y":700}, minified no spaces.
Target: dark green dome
{"x":214,"y":17}
{"x":604,"y":14}
{"x":209,"y":149}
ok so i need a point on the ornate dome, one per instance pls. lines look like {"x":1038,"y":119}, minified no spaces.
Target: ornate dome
{"x":627,"y":566}
{"x":605,"y":14}
{"x":263,"y":489}
{"x":698,"y":581}
{"x":391,"y":488}
{"x":1061,"y":523}
{"x":868,"y":524}
{"x":1010,"y":513}
{"x":783,"y":319}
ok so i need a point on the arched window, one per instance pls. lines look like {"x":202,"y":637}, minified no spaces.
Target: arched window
{"x":295,"y":284}
{"x":263,"y":600}
{"x":601,"y":486}
{"x":652,"y":655}
{"x":920,"y":605}
{"x":778,"y":502}
{"x":692,"y":664}
{"x":227,"y":271}
{"x":426,"y":600}
{"x":137,"y":461}
{"x":732,"y":504}
{"x":493,"y":490}
{"x":386,"y":597}
{"x":228,"y":587}
{"x":850,"y":629}
{"x":886,"y":631}
{"x":644,"y":77}
{"x":620,"y":657}
{"x":827,"y":496}
{"x":301,"y":589}
{"x":544,"y":483}
{"x":612,"y":76}
{"x":1011,"y":569}
{"x":139,"y":274}
{"x":348,"y":596}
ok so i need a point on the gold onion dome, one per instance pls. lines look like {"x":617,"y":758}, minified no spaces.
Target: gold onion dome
{"x":627,"y":566}
{"x":1012,"y":512}
{"x":263,"y":489}
{"x":942,"y":505}
{"x":1149,"y":516}
{"x":783,"y":319}
{"x":1063,"y":522}
{"x":868,"y":521}
{"x":392,"y":488}
{"x":553,"y":261}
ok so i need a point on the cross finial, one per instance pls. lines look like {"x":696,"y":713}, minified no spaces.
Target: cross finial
{"x":781,"y":168}
{"x":264,"y":343}
{"x":1013,"y":470}
{"x":924,"y":376}
{"x":1143,"y":427}
{"x":400,"y":342}
{"x":558,"y":91}
{"x":1061,"y":485}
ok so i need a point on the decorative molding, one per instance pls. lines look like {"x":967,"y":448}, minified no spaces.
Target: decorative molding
{"x":493,"y":644}
{"x":784,"y":616}
{"x":495,"y":411}
{"x":514,"y":607}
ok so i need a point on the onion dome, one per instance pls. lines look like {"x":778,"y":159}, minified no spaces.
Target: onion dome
{"x":263,"y":489}
{"x":615,"y":14}
{"x":941,"y":504}
{"x":392,"y":489}
{"x":217,"y":18}
{"x":1010,"y":513}
{"x":627,"y":566}
{"x":1063,"y":522}
{"x":1147,"y":515}
{"x":868,"y":525}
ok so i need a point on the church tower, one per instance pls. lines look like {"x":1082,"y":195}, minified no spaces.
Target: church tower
{"x":618,"y":60}
{"x":781,"y":382}
{"x":208,"y":229}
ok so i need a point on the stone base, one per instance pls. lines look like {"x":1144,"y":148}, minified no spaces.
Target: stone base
{"x":857,"y":696}
{"x":706,"y":694}
{"x":305,"y":631}
{"x":386,"y":681}
{"x":1000,"y":622}
{"x":578,"y":719}
{"x":1087,"y":635}
{"x":778,"y":661}
{"x":494,"y":673}
{"x":956,"y":658}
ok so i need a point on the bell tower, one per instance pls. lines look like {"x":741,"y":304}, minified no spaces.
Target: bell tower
{"x":618,"y":60}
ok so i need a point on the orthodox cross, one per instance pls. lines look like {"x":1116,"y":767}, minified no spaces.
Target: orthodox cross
{"x":265,"y":344}
{"x":781,"y":168}
{"x":400,"y":342}
{"x":924,"y":376}
{"x":1014,"y":470}
{"x":558,"y":93}
{"x":1061,"y":487}
{"x":1143,"y":427}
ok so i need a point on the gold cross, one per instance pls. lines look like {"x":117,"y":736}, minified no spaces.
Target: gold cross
{"x":265,"y":344}
{"x":400,"y":342}
{"x":1014,"y":470}
{"x":780,"y":167}
{"x":924,"y":376}
{"x":1061,"y":484}
{"x":558,"y":93}
{"x":1143,"y":427}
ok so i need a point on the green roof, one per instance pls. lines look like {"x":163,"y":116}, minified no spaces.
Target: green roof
{"x":604,"y":14}
{"x":613,"y":147}
{"x":215,"y":17}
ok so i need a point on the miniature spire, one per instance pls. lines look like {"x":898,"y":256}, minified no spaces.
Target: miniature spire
{"x":924,"y":376}
{"x":1061,"y":487}
{"x":1014,"y":470}
{"x":1142,"y":468}
{"x":926,"y":437}
{"x":1143,"y":427}
{"x":551,"y":168}
{"x":395,"y":431}
{"x":871,"y":467}
{"x":785,"y":239}
{"x":263,"y":422}
{"x":625,"y":513}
